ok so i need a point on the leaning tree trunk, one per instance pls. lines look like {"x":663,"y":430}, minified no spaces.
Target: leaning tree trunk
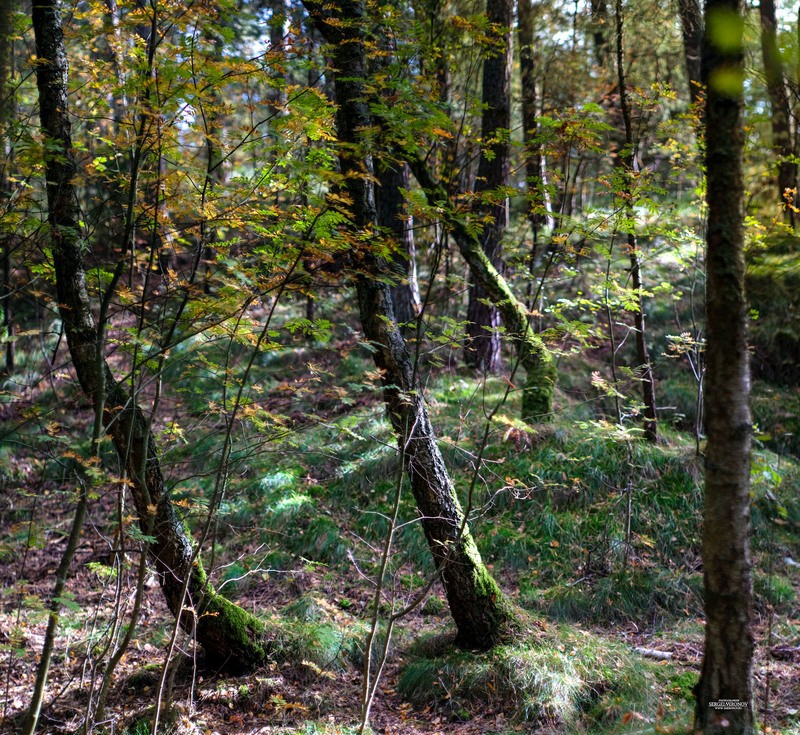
{"x":229,"y":635}
{"x":483,"y":319}
{"x":781,"y":110}
{"x":724,"y":692}
{"x":482,"y":614}
{"x":537,"y":393}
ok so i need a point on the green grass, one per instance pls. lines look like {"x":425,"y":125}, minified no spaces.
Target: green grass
{"x":565,"y":678}
{"x":314,"y":636}
{"x":551,"y":510}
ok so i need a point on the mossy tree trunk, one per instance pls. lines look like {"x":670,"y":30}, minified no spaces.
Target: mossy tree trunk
{"x":482,"y":614}
{"x":537,"y":393}
{"x":229,"y":635}
{"x":725,"y":691}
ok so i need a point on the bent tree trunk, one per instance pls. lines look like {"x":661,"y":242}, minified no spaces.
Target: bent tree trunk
{"x":537,"y":394}
{"x":482,"y":614}
{"x":727,"y":571}
{"x":229,"y":635}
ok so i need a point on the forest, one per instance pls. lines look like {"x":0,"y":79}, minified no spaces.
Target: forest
{"x":399,"y":366}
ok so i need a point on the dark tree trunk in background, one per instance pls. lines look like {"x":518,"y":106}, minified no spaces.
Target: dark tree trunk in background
{"x":277,"y":37}
{"x":780,"y":108}
{"x":691,"y":17}
{"x":625,"y":162}
{"x":599,"y":25}
{"x":393,"y":178}
{"x":534,"y":169}
{"x":215,"y":155}
{"x":727,"y":660}
{"x":483,"y":346}
{"x":6,"y":116}
{"x":229,"y":635}
{"x":482,"y":614}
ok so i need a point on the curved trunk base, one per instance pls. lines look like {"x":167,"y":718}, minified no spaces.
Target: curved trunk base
{"x":487,"y":618}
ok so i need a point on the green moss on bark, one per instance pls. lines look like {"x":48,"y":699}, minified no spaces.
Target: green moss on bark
{"x":537,"y":396}
{"x":537,"y":399}
{"x":491,"y":618}
{"x":231,"y":636}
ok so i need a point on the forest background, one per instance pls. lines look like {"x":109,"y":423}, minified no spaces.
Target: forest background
{"x":397,"y":314}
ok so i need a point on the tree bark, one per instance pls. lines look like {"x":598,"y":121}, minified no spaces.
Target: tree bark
{"x":781,"y":110}
{"x":724,"y":692}
{"x":6,"y":116}
{"x":534,"y":169}
{"x":691,"y":18}
{"x":483,"y":319}
{"x":625,"y":163}
{"x":599,"y":24}
{"x":394,"y":177}
{"x":537,"y":394}
{"x":482,"y":614}
{"x":229,"y":635}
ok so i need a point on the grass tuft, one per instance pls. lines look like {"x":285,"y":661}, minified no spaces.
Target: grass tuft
{"x":567,"y":679}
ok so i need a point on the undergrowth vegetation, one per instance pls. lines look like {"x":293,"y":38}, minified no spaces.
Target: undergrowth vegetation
{"x":591,"y":527}
{"x":588,"y":525}
{"x":567,"y":679}
{"x":594,"y":532}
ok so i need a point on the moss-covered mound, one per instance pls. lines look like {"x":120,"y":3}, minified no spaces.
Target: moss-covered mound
{"x":566,"y":678}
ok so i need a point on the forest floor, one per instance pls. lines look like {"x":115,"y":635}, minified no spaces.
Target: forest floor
{"x":304,"y":695}
{"x":275,"y":699}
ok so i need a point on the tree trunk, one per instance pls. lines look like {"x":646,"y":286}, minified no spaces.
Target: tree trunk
{"x":691,"y":18}
{"x":625,"y":162}
{"x":781,"y":110}
{"x":215,"y":158}
{"x":394,"y":177}
{"x":599,"y":23}
{"x":229,"y":635}
{"x":534,"y":170}
{"x":724,"y":692}
{"x":483,"y":319}
{"x":6,"y":116}
{"x":482,"y":614}
{"x":537,"y":395}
